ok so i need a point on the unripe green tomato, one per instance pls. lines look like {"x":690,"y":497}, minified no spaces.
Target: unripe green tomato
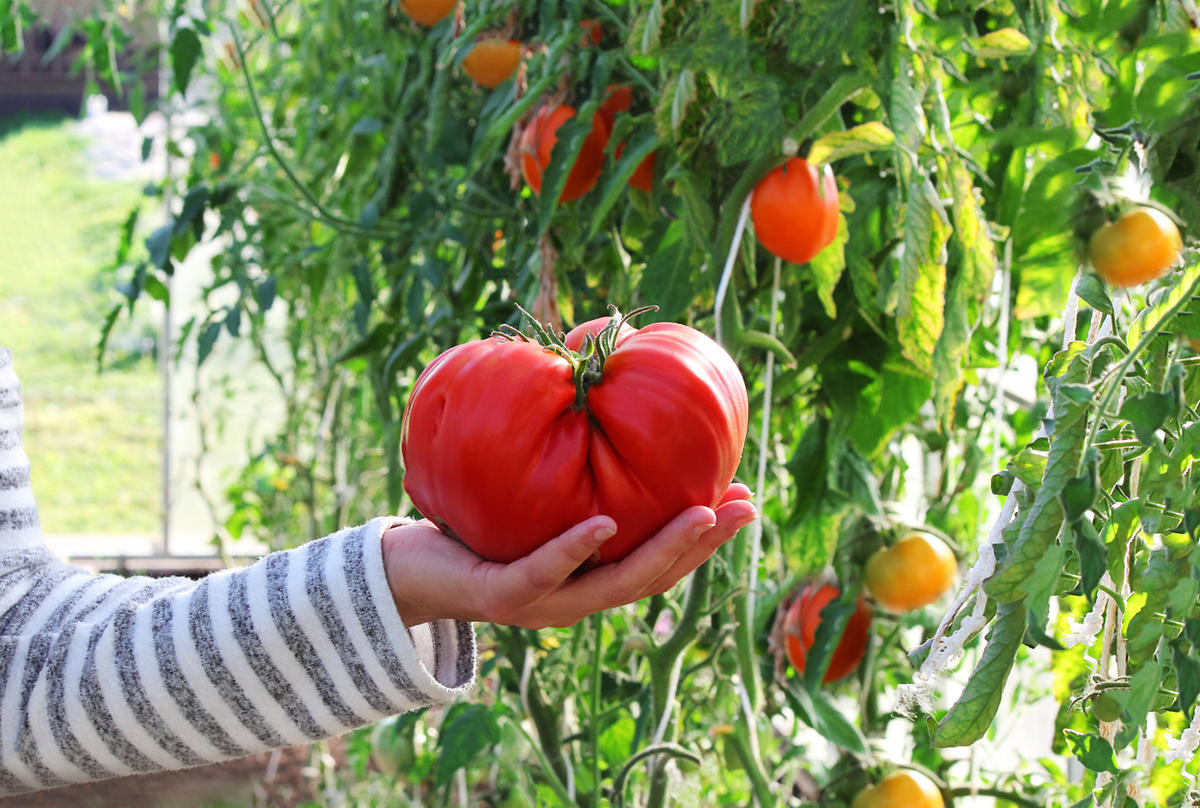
{"x":393,"y":748}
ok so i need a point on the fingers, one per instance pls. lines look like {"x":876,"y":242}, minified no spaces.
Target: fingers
{"x":731,"y":517}
{"x":660,"y":562}
{"x":528,"y":579}
{"x":538,"y":590}
{"x":736,"y":491}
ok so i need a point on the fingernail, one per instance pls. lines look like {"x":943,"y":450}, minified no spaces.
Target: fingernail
{"x":703,"y":528}
{"x":604,"y":533}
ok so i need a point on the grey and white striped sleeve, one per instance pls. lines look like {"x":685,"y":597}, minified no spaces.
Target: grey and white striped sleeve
{"x":102,"y":676}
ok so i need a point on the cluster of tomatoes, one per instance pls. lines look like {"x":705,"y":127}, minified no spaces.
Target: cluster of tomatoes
{"x":911,"y":574}
{"x":794,"y":207}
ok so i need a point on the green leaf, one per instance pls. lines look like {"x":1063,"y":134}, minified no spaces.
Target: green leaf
{"x":206,"y":341}
{"x":616,"y":740}
{"x":158,"y":244}
{"x":617,"y":179}
{"x":667,"y":278}
{"x":1148,"y":412}
{"x":1092,"y":558}
{"x":1000,"y":44}
{"x":922,"y":281}
{"x":972,"y":714}
{"x":682,"y":94}
{"x":194,"y":202}
{"x":906,"y":114}
{"x":465,"y":733}
{"x":1041,"y":522}
{"x":827,"y":267}
{"x":1042,"y":581}
{"x":1160,"y":307}
{"x":185,"y":50}
{"x":820,"y":714}
{"x":366,"y":126}
{"x":1093,"y":292}
{"x":651,"y":25}
{"x":860,"y":139}
{"x":1092,"y":751}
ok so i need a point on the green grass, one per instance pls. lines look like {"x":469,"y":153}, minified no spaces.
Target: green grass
{"x":93,"y":438}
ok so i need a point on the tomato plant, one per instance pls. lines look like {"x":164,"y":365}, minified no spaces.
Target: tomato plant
{"x":914,"y":572}
{"x":428,"y":12}
{"x":1138,"y":247}
{"x":618,"y":99}
{"x":795,"y":210}
{"x":508,"y":442}
{"x":492,"y":61}
{"x":900,"y":789}
{"x":369,"y":214}
{"x":800,"y":629}
{"x":537,"y":145}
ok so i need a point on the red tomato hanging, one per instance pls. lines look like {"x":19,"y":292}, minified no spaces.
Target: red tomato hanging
{"x":795,"y":211}
{"x":537,"y":143}
{"x":506,"y":444}
{"x":800,"y":630}
{"x":619,"y":99}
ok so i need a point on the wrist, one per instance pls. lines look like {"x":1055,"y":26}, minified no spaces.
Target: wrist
{"x":398,"y":573}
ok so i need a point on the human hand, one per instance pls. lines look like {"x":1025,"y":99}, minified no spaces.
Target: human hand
{"x":433,"y":576}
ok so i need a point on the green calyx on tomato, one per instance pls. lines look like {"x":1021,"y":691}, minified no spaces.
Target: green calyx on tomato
{"x":587,"y":363}
{"x":508,"y":442}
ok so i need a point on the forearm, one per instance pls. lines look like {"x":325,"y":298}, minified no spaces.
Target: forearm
{"x":303,"y":645}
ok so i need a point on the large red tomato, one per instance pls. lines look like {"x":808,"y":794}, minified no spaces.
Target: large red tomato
{"x":507,"y":443}
{"x":537,"y":142}
{"x":795,"y":210}
{"x":800,"y":630}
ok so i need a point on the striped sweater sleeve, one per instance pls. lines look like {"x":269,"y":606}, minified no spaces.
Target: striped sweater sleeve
{"x":102,"y":676}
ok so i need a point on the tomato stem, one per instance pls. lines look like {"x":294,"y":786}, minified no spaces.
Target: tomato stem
{"x":587,"y":364}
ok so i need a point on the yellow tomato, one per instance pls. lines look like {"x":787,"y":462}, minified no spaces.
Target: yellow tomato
{"x":912,"y":573}
{"x":1138,"y":247}
{"x":428,"y":12}
{"x":900,"y":789}
{"x":492,"y":61}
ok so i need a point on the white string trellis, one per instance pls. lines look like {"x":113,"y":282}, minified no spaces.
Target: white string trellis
{"x":946,"y":647}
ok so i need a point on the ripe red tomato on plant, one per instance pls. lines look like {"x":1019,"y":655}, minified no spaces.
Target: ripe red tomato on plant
{"x":800,"y":630}
{"x":912,"y":573}
{"x":593,"y":32}
{"x":1139,"y":246}
{"x":900,"y":789}
{"x":537,"y":143}
{"x":618,"y":100}
{"x":492,"y":60}
{"x":795,"y":210}
{"x":428,"y":12}
{"x":507,"y":443}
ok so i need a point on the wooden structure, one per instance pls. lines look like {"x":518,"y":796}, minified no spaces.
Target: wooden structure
{"x":35,"y":81}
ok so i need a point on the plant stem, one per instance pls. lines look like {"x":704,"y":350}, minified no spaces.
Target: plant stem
{"x":753,"y":768}
{"x":664,"y":669}
{"x":593,"y":719}
{"x":1148,"y":335}
{"x":998,"y":793}
{"x":545,"y":721}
